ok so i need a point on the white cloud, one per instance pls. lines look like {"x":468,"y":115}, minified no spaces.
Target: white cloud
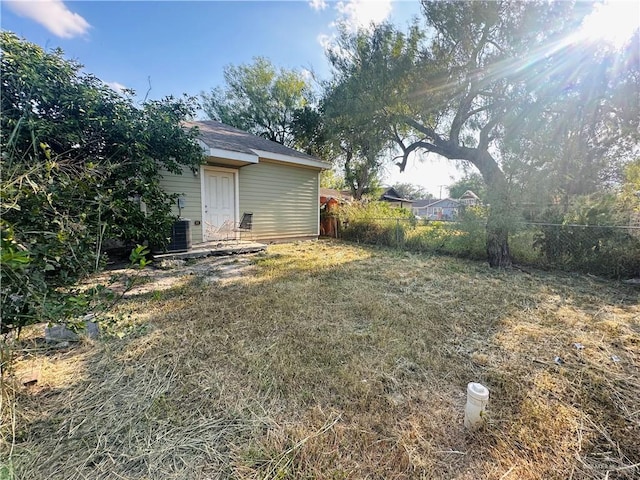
{"x":53,"y":15}
{"x":318,"y":4}
{"x":306,"y":74}
{"x":118,"y":87}
{"x":354,"y":15}
{"x":358,"y":14}
{"x":325,"y":40}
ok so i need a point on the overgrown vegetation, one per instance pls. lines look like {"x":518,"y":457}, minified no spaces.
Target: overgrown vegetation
{"x":581,"y":240}
{"x":333,"y":360}
{"x":508,"y":89}
{"x":374,"y":222}
{"x":78,"y":161}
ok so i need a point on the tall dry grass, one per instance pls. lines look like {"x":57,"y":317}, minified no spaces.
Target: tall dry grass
{"x":332,"y":360}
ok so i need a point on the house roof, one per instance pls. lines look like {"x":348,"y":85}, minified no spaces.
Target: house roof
{"x":337,"y":194}
{"x":469,"y":194}
{"x":422,"y":203}
{"x":220,"y":138}
{"x":391,"y":195}
{"x":445,"y":202}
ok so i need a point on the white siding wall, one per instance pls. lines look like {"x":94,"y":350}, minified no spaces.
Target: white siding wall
{"x":186,"y":185}
{"x":284,"y":199}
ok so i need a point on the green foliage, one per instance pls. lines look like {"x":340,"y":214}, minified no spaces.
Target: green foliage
{"x":330,"y":179}
{"x":7,"y":471}
{"x":584,"y":239}
{"x":581,"y":240}
{"x":630,"y":194}
{"x":374,"y":222}
{"x":411,"y":191}
{"x":469,"y":239}
{"x":366,"y":81}
{"x":311,"y":134}
{"x":77,"y":159}
{"x":471,"y":181}
{"x":138,"y":256}
{"x":430,"y":237}
{"x":496,"y":85}
{"x":262,"y":100}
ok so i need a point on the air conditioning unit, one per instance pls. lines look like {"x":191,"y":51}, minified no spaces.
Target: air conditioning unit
{"x":180,"y":236}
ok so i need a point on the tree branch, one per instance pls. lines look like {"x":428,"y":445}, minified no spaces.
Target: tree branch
{"x":483,"y":144}
{"x":428,"y":131}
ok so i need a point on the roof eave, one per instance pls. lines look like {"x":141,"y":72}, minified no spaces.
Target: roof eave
{"x":307,"y":162}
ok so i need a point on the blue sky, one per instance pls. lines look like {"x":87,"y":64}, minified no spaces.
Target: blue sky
{"x":182,"y":47}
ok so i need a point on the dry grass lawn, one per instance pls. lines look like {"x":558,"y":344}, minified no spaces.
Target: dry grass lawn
{"x":332,"y":360}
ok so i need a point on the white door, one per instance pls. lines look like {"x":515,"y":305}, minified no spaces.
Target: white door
{"x":219,"y":205}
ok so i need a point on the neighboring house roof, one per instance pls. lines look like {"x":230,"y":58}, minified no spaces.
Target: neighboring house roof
{"x":390,"y":195}
{"x":422,"y":203}
{"x":337,"y":194}
{"x":218,"y":139}
{"x":469,"y":194}
{"x":445,"y":203}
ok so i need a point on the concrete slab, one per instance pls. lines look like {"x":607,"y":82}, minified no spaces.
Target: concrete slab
{"x":209,"y":249}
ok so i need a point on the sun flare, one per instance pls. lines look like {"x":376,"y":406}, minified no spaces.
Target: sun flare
{"x":613,"y":21}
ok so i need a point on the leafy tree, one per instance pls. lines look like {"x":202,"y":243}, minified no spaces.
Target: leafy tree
{"x":411,"y":191}
{"x":579,"y":144}
{"x":77,"y":160}
{"x":472,"y":181}
{"x":474,"y":89}
{"x":630,"y":193}
{"x":330,"y":179}
{"x":354,"y":101}
{"x":261,"y":100}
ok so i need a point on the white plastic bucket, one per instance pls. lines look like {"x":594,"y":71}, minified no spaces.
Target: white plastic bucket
{"x":477,"y":400}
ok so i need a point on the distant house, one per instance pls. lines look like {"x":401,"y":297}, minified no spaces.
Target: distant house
{"x":445,"y":209}
{"x":391,"y":196}
{"x":247,"y":174}
{"x":419,"y":207}
{"x":469,"y":199}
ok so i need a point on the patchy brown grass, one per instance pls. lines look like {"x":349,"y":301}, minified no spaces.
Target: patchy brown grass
{"x":330,"y":360}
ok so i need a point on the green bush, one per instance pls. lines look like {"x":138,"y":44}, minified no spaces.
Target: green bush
{"x":77,"y":158}
{"x":521,"y":245}
{"x":376,"y":223}
{"x":600,"y":250}
{"x":583,"y":239}
{"x":597,"y":249}
{"x":465,"y":238}
{"x":432,"y":237}
{"x":469,"y":238}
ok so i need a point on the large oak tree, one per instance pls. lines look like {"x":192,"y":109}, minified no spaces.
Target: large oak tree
{"x":476,"y":83}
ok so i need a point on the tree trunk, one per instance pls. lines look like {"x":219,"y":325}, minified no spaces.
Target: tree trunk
{"x":498,"y":246}
{"x":500,"y":211}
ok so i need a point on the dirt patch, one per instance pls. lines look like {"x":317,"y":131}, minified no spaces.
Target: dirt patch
{"x":168,"y":274}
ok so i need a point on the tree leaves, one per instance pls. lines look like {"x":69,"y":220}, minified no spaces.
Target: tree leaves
{"x":76,"y":159}
{"x":260,"y":99}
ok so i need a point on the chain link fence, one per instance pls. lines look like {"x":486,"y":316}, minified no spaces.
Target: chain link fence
{"x":606,"y":250}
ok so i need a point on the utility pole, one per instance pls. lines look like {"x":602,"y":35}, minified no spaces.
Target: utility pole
{"x":441,"y":190}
